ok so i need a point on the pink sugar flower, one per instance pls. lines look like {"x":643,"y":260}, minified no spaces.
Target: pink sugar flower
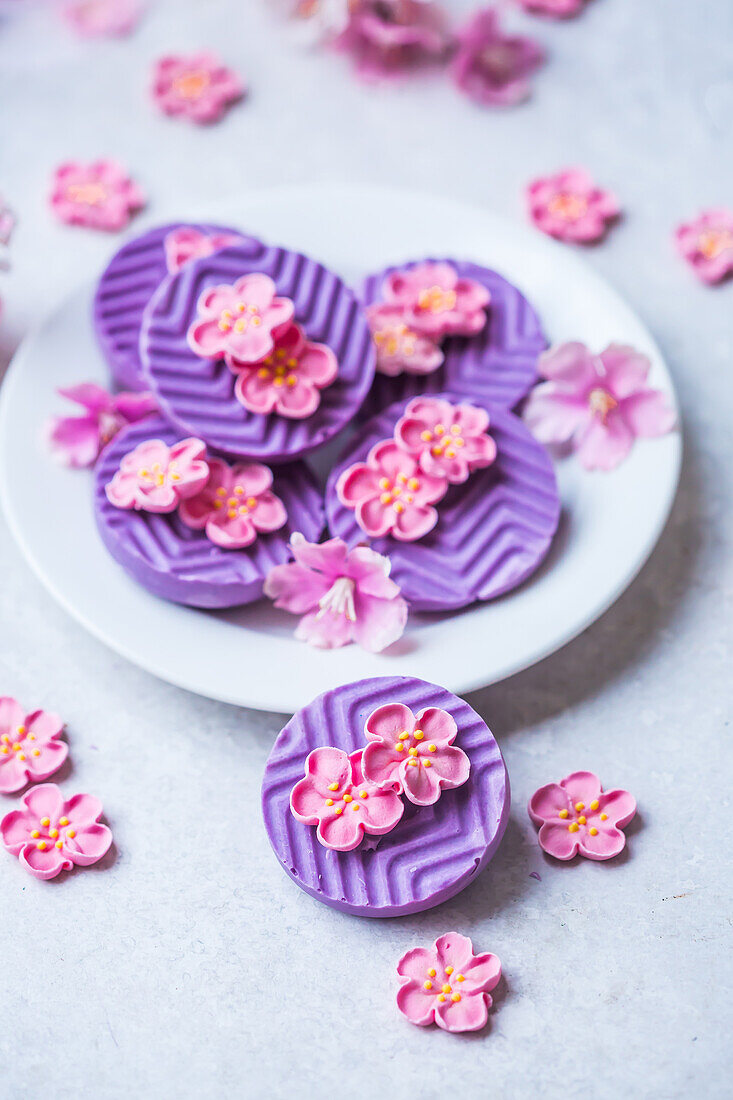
{"x":388,"y":37}
{"x":235,"y":505}
{"x":289,"y":379}
{"x":447,"y":984}
{"x":436,"y":302}
{"x":30,"y":745}
{"x":571,"y":207}
{"x":448,"y":440}
{"x":707,"y":244}
{"x":559,"y":9}
{"x":50,"y":835}
{"x":241,"y":321}
{"x":598,"y":404}
{"x":99,"y":195}
{"x":337,"y":798}
{"x":156,"y":478}
{"x":399,"y":347}
{"x":197,"y":86}
{"x":97,"y":18}
{"x":78,"y":440}
{"x":391,"y":494}
{"x":491,"y":67}
{"x":343,"y":595}
{"x":188,"y":243}
{"x":414,"y":754}
{"x":577,"y":815}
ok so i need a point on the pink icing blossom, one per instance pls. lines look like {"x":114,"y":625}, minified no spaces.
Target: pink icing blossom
{"x":414,"y":754}
{"x":447,"y":984}
{"x":388,"y":37}
{"x":707,"y":244}
{"x":156,"y":478}
{"x":576,"y":815}
{"x":491,"y":67}
{"x":391,"y":494}
{"x":436,"y":301}
{"x":7,"y":223}
{"x":241,"y":321}
{"x":236,"y":505}
{"x":571,"y":207}
{"x":289,"y":379}
{"x":559,"y":9}
{"x":344,"y":596}
{"x":399,"y":347}
{"x":197,"y":86}
{"x":96,"y":18}
{"x":598,"y":404}
{"x":188,"y":243}
{"x":30,"y":745}
{"x":78,"y":440}
{"x":335,"y":796}
{"x":99,"y":195}
{"x":449,"y":441}
{"x":50,"y":835}
{"x":321,"y":20}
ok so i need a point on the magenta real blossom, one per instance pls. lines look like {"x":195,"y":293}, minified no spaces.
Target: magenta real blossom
{"x":447,"y":984}
{"x":577,"y":815}
{"x":436,"y":301}
{"x":571,"y":207}
{"x":401,"y":348}
{"x":449,"y":441}
{"x":289,"y":380}
{"x":235,"y":505}
{"x":196,"y":86}
{"x":99,"y":195}
{"x":241,"y":321}
{"x":156,"y":478}
{"x":78,"y":440}
{"x":386,"y":38}
{"x":50,"y":835}
{"x":414,"y":754}
{"x":30,"y":745}
{"x":706,"y":243}
{"x":99,"y":18}
{"x":491,"y":67}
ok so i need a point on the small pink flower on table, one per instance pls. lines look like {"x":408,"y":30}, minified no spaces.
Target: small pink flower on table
{"x":399,"y":347}
{"x":414,"y":754}
{"x":707,"y":244}
{"x":156,"y":478}
{"x":596,"y":404}
{"x":99,"y":195}
{"x":236,"y":505}
{"x":197,"y":86}
{"x":577,"y":815}
{"x":390,"y":494}
{"x":343,"y":595}
{"x":289,"y":380}
{"x":78,"y":440}
{"x":491,"y":67}
{"x":390,"y":37}
{"x":50,"y":835}
{"x":559,"y":9}
{"x":449,"y":441}
{"x":436,"y":301}
{"x":447,"y":984}
{"x":241,"y":321}
{"x":97,"y":18}
{"x":30,"y":745}
{"x":571,"y":207}
{"x":335,"y":796}
{"x":188,"y":243}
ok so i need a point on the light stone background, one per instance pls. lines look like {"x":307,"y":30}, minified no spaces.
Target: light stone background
{"x":187,"y":965}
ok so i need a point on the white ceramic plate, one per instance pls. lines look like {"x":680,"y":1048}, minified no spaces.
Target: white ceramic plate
{"x":248,"y":656}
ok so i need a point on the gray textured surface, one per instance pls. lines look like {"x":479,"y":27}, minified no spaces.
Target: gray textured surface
{"x":189,"y":967}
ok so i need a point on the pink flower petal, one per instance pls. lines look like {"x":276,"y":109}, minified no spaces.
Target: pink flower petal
{"x":454,"y":950}
{"x":381,"y":764}
{"x":582,"y":787}
{"x":546,"y":803}
{"x":416,"y":963}
{"x":648,"y":413}
{"x":358,"y":483}
{"x":44,"y":864}
{"x":619,"y":805}
{"x":558,"y":841}
{"x":389,"y":721}
{"x":324,"y":631}
{"x":299,"y":401}
{"x":469,"y":1014}
{"x":255,"y":393}
{"x":605,"y":444}
{"x":437,"y":725}
{"x":421,"y":785}
{"x":295,"y":588}
{"x":327,"y":557}
{"x":416,"y":1003}
{"x":379,"y":622}
{"x":554,"y":416}
{"x":90,"y":844}
{"x":44,"y":801}
{"x":605,"y":845}
{"x":12,"y":715}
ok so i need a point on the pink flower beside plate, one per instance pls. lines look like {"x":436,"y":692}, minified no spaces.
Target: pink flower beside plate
{"x":577,"y":815}
{"x":198,"y":86}
{"x":447,"y":984}
{"x":490,"y":67}
{"x":31,"y":748}
{"x":571,"y":207}
{"x":706,"y":243}
{"x":99,"y":195}
{"x":50,"y":834}
{"x":78,"y":440}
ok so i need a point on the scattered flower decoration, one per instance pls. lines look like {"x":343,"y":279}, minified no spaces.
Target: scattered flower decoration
{"x":386,"y":38}
{"x":235,"y":505}
{"x":50,"y":835}
{"x":390,"y":494}
{"x":399,"y":347}
{"x":559,"y":9}
{"x":99,"y":195}
{"x":98,"y":18}
{"x":596,"y":404}
{"x":241,"y":321}
{"x":335,"y":796}
{"x":188,"y":243}
{"x":577,"y":815}
{"x":447,"y":984}
{"x":414,"y":754}
{"x":78,"y":440}
{"x":449,"y":441}
{"x":343,"y":595}
{"x":289,"y":379}
{"x":491,"y":67}
{"x":156,"y":478}
{"x":198,"y":86}
{"x":30,"y":745}
{"x":571,"y":207}
{"x":707,"y":244}
{"x":436,"y":301}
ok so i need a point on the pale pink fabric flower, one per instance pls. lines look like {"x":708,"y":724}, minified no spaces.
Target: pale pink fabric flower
{"x":188,"y":243}
{"x":388,"y":37}
{"x":559,"y":9}
{"x":598,"y":404}
{"x":449,"y":441}
{"x":399,"y":347}
{"x":289,"y":379}
{"x":436,"y":301}
{"x":491,"y":67}
{"x":99,"y":195}
{"x":197,"y":86}
{"x":241,"y":321}
{"x":707,"y":244}
{"x":156,"y":478}
{"x":414,"y":754}
{"x":447,"y":984}
{"x":571,"y":207}
{"x":78,"y":440}
{"x":50,"y":835}
{"x":391,"y":494}
{"x":577,"y":815}
{"x":235,"y":505}
{"x":343,"y":595}
{"x":335,"y":796}
{"x":30,"y":745}
{"x":97,"y":18}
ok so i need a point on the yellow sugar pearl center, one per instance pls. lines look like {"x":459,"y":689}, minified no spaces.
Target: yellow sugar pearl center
{"x":604,"y":817}
{"x":71,"y":833}
{"x":45,"y":821}
{"x":449,"y":970}
{"x":435,"y":299}
{"x":593,"y":831}
{"x":594,"y":804}
{"x":333,"y":786}
{"x":192,"y":84}
{"x":86,"y":194}
{"x":714,"y":241}
{"x":601,"y":402}
{"x":573,"y":827}
{"x":563,"y":813}
{"x":568,"y":206}
{"x":428,"y":984}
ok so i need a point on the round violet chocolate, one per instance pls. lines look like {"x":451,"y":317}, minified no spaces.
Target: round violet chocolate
{"x":178,"y":563}
{"x":433,"y":852}
{"x":498,"y":366}
{"x":124,"y":290}
{"x":198,"y":395}
{"x":493,"y":531}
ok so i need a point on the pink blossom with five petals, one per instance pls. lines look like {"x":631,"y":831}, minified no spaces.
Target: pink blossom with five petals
{"x":197,"y":86}
{"x":50,"y":835}
{"x":399,"y":347}
{"x":571,"y":207}
{"x":436,"y":301}
{"x":390,"y":494}
{"x":577,"y":815}
{"x":30,"y":745}
{"x":241,"y":321}
{"x":99,"y":195}
{"x":389,"y":37}
{"x":98,"y":18}
{"x":78,"y":440}
{"x":559,"y":9}
{"x":289,"y":379}
{"x":491,"y":67}
{"x":236,"y":505}
{"x":414,"y":754}
{"x":188,"y":243}
{"x":447,"y":984}
{"x":707,"y":244}
{"x":449,"y":441}
{"x":156,"y":478}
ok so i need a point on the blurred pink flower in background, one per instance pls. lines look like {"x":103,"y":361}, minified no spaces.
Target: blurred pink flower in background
{"x":78,"y":440}
{"x":99,"y":195}
{"x":491,"y":67}
{"x":388,"y":37}
{"x":571,"y":207}
{"x":707,"y":244}
{"x":560,"y":9}
{"x":197,"y":86}
{"x":97,"y":18}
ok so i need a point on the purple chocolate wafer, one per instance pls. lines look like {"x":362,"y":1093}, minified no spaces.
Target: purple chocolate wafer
{"x":433,"y":852}
{"x":493,"y":530}
{"x":198,"y":395}
{"x":178,"y":563}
